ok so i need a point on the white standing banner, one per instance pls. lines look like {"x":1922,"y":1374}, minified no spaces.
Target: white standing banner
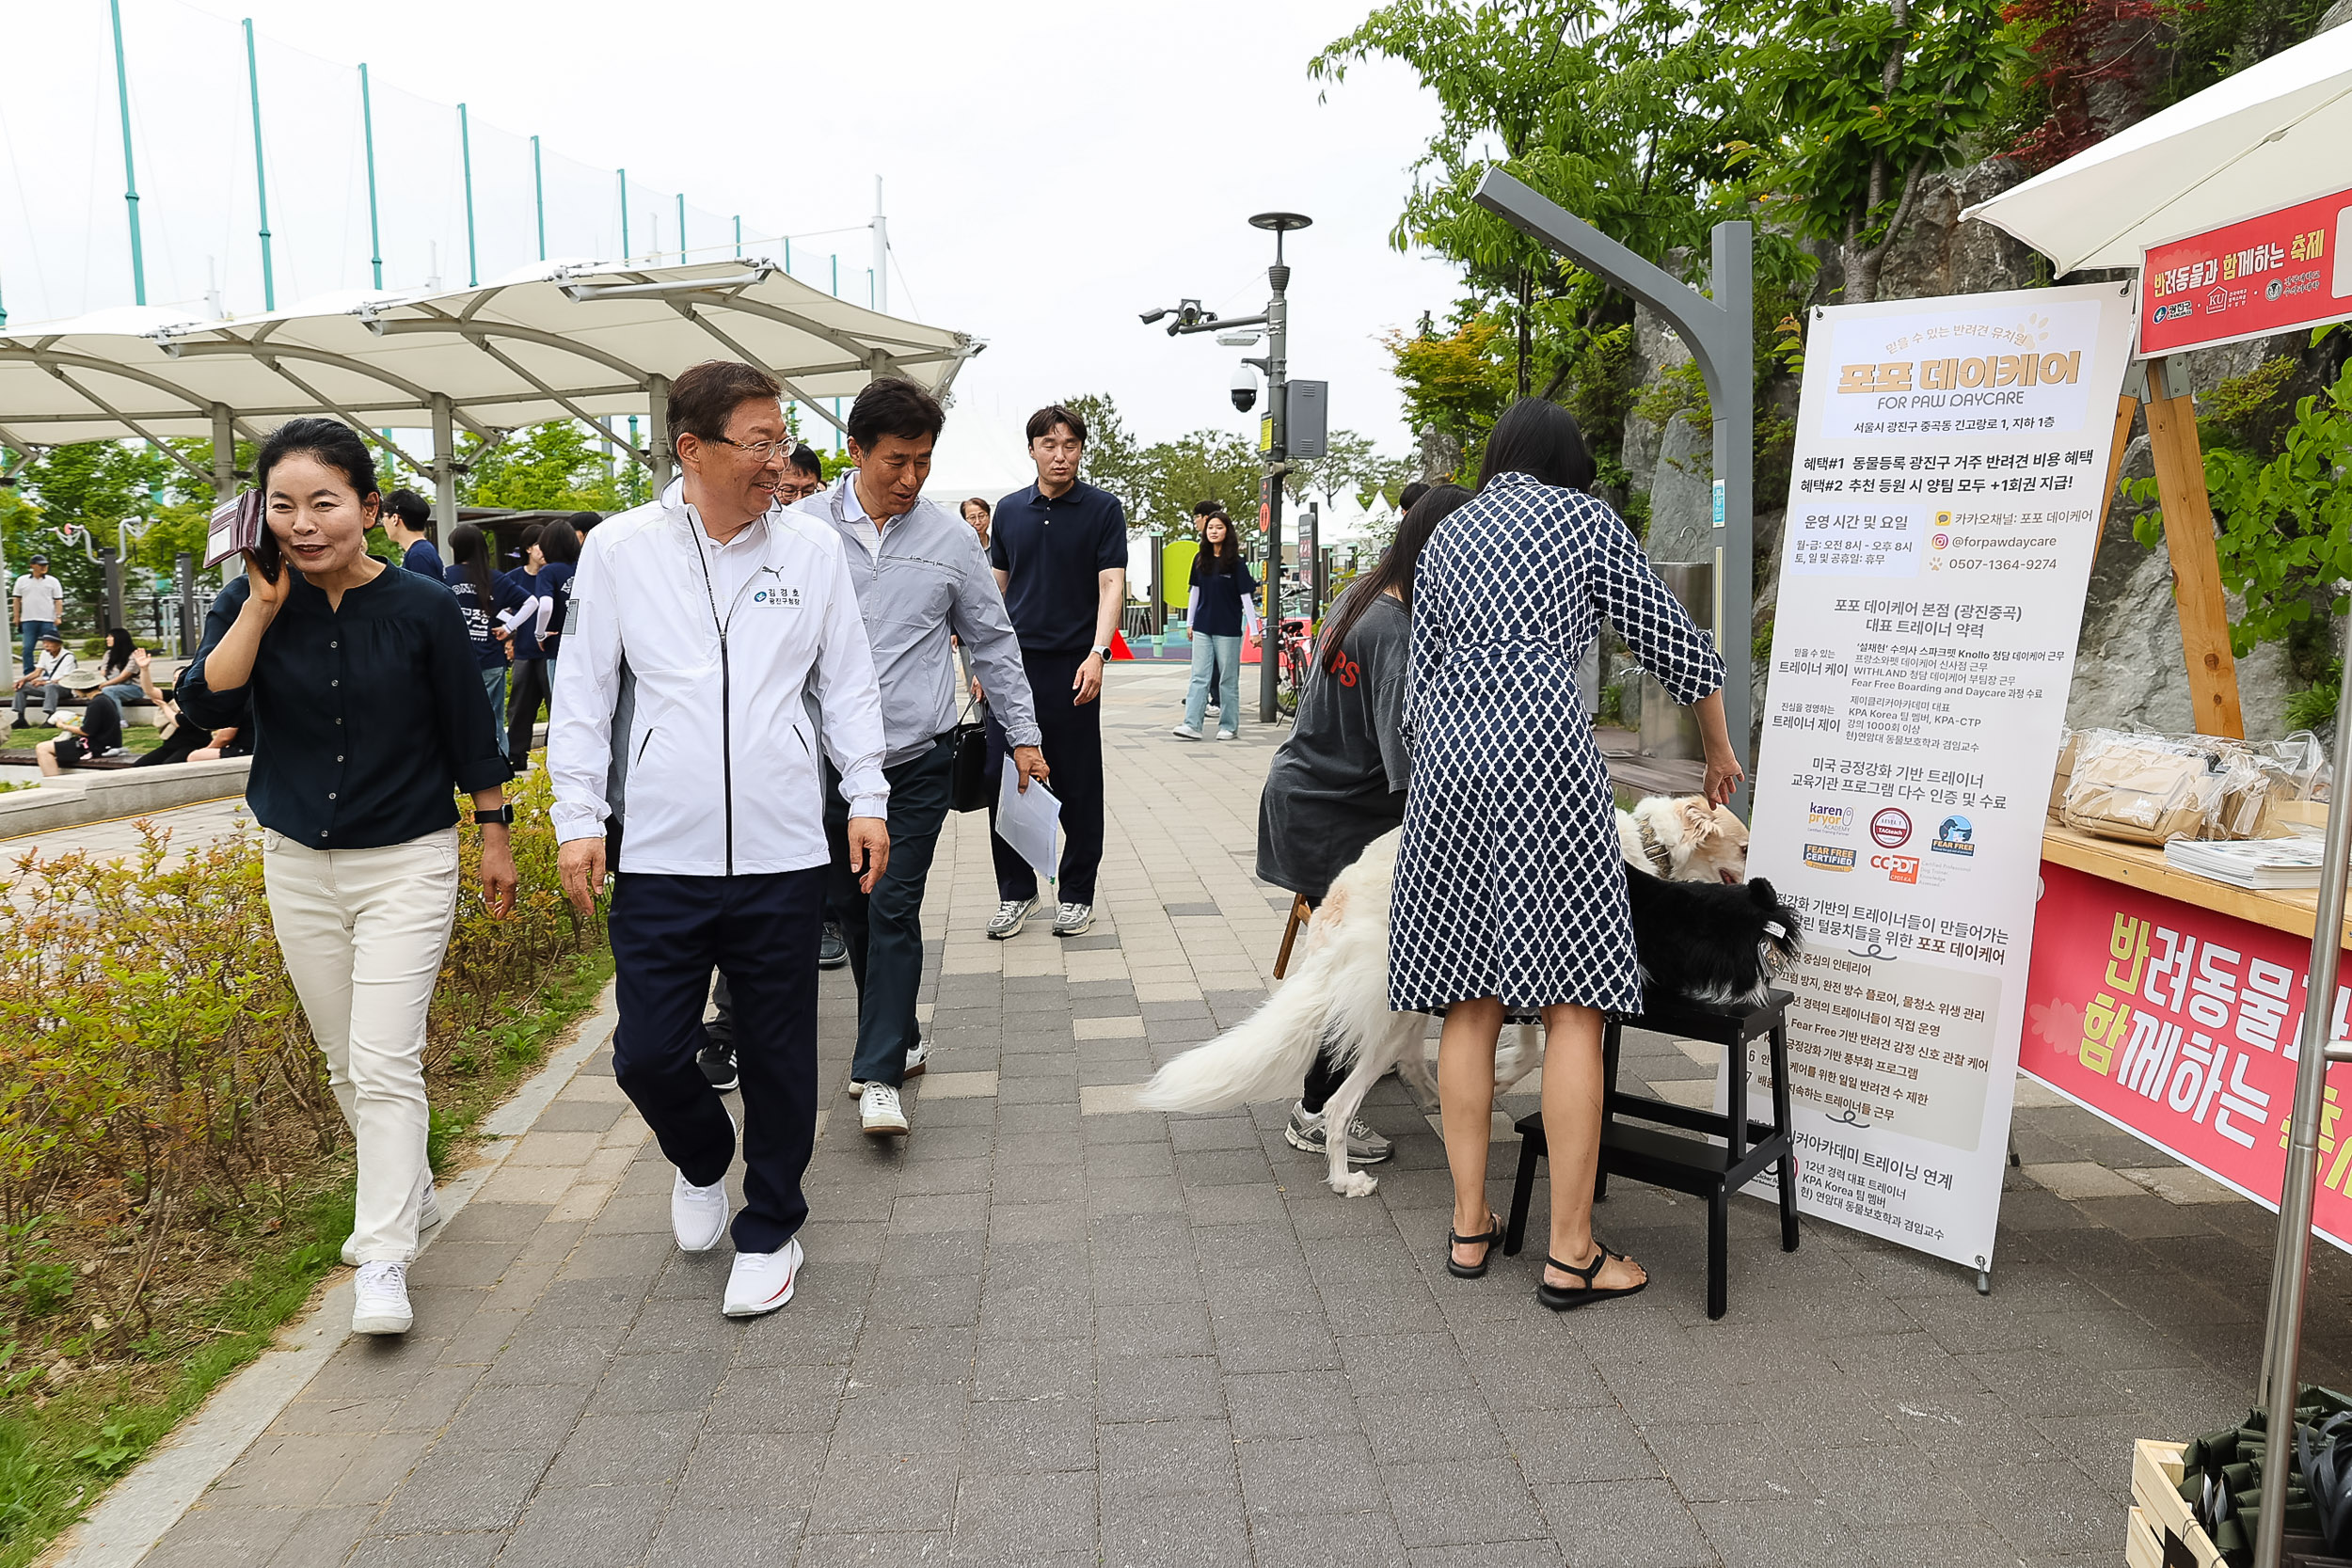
{"x":1950,"y":464}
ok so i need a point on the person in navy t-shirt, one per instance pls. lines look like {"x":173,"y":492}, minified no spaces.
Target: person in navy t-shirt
{"x":1059,"y":548}
{"x":408,"y":523}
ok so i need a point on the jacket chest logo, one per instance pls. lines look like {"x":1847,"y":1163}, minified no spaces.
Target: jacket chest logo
{"x":780,"y":597}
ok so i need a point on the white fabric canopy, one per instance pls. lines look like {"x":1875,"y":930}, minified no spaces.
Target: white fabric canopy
{"x":2273,"y":134}
{"x":579,"y":339}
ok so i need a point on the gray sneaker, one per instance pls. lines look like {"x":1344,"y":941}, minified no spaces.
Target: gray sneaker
{"x":1364,"y":1145}
{"x":1010,"y":917}
{"x":1074,"y":920}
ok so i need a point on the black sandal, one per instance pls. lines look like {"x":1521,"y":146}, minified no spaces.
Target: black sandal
{"x":1561,"y":1299}
{"x":1493,"y":1239}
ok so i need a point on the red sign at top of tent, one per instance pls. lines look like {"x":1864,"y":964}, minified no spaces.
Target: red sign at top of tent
{"x":2285,"y":270}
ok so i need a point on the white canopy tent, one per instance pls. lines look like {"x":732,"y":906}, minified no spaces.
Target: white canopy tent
{"x":587,"y":341}
{"x":2270,"y":136}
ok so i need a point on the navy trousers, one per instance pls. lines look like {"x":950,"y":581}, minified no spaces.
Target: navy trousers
{"x":1071,"y":733}
{"x":884,"y":928}
{"x":760,"y":932}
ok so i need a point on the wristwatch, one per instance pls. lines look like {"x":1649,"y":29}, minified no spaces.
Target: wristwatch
{"x":1103,"y":654}
{"x":504,"y":816}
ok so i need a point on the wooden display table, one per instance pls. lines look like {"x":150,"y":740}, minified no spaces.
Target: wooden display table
{"x":2137,"y":865}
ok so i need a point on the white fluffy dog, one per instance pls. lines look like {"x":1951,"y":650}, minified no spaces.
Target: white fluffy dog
{"x":1338,"y":989}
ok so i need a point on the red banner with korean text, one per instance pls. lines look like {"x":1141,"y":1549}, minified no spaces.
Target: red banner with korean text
{"x":2271,"y":274}
{"x":2180,"y":1026}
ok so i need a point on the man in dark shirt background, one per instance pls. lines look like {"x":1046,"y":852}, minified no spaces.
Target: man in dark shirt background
{"x":408,"y":523}
{"x":1059,"y":548}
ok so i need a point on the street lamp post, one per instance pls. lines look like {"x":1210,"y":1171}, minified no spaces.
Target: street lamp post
{"x":1274,"y":435}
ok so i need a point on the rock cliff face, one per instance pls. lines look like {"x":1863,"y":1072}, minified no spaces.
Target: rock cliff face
{"x":2129,"y":669}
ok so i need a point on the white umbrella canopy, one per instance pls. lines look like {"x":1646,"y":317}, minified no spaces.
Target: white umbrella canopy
{"x":567,"y":340}
{"x":2273,"y":134}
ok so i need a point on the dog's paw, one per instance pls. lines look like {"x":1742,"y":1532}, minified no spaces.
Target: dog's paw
{"x":1355,"y":1184}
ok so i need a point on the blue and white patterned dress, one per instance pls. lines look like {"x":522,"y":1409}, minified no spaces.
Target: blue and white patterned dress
{"x":1509,"y":880}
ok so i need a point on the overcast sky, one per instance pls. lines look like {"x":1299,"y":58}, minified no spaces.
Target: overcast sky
{"x":1050,"y":171}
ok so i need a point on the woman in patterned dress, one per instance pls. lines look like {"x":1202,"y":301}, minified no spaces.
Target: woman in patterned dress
{"x":1510,"y":894}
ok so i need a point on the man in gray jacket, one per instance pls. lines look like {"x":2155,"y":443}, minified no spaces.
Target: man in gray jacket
{"x":920,"y":577}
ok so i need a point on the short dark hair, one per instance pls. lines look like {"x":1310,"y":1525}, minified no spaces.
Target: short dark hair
{"x":806,"y":459}
{"x":410,"y":508}
{"x":980,"y":501}
{"x":1539,"y":438}
{"x":1410,"y":494}
{"x":1211,"y":508}
{"x":893,"y":406}
{"x":706,"y":396}
{"x":1053,"y":414}
{"x":559,"y":543}
{"x":531,"y":533}
{"x":582,"y":521}
{"x":331,"y":442}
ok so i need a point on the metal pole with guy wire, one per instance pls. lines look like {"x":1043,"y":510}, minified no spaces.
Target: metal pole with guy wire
{"x":464,"y":159}
{"x":367,"y":127}
{"x":260,"y":177}
{"x":130,"y":175}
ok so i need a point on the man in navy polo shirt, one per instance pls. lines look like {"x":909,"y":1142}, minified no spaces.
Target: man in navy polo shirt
{"x":1059,"y":548}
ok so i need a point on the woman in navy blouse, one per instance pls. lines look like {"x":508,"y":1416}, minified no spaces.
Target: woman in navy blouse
{"x":368,"y":719}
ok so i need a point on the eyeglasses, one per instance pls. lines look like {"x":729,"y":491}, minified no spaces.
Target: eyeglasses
{"x":759,"y":450}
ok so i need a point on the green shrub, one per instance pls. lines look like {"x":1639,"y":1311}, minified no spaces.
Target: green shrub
{"x":162,"y":1103}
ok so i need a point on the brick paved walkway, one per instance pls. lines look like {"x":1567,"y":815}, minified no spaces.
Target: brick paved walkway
{"x":1049,"y":1330}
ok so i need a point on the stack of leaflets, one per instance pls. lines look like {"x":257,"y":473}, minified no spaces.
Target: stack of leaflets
{"x":2255,"y":863}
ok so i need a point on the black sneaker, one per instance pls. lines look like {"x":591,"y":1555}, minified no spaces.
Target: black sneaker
{"x":832,"y":948}
{"x":716,"y":1060}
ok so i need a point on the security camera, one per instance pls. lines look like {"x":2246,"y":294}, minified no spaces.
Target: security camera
{"x":1150,"y":316}
{"x":1244,"y":387}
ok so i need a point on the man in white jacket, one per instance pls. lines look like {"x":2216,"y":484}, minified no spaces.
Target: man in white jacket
{"x":705,"y":615}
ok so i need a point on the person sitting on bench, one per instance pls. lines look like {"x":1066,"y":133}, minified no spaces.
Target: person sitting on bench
{"x":182,"y":741}
{"x":49,"y":679}
{"x":96,"y":736}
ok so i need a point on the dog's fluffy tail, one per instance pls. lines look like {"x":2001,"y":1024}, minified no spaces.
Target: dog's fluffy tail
{"x":1264,"y":1057}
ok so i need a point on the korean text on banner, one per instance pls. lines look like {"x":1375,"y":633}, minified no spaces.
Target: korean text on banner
{"x":2182,"y":1025}
{"x":1950,"y":460}
{"x":2283,"y":270}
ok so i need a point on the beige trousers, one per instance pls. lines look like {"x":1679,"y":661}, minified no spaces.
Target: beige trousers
{"x":363,"y":932}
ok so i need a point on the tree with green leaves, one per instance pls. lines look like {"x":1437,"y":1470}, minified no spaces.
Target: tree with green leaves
{"x":1626,"y":115}
{"x":552,"y":467}
{"x":1869,"y":97}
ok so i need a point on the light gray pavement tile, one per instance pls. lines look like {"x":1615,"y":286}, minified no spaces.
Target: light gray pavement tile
{"x":725,"y":1538}
{"x":593,"y":1527}
{"x":1310,"y":1475}
{"x":1338,"y":1541}
{"x":926,"y":1418}
{"x":1026,"y":1518}
{"x":1451,"y":1503}
{"x":1159,"y":1389}
{"x":1776,"y":1533}
{"x":1025,"y":1436}
{"x":1033,"y":1368}
{"x":1640,"y":1524}
{"x":866,"y":1492}
{"x":463,"y":1489}
{"x":733,"y":1472}
{"x":322,"y":1540}
{"x":1174,"y":1532}
{"x":610,"y":1450}
{"x":468,"y":1549}
{"x":1166,"y":1458}
{"x":214,"y":1537}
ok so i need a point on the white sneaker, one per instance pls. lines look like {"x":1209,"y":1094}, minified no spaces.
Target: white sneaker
{"x":762,"y":1281}
{"x":380,"y":1303}
{"x":880,"y":1113}
{"x":428,"y":1215}
{"x":698,"y":1215}
{"x":1226,"y":735}
{"x":918,"y":1063}
{"x":1074,"y":920}
{"x":1010,"y":917}
{"x":1185,"y":732}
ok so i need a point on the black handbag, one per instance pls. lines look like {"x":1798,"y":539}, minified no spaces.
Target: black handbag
{"x":968,"y":775}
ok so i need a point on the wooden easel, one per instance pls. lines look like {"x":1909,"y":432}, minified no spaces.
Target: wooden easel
{"x":2188,"y":539}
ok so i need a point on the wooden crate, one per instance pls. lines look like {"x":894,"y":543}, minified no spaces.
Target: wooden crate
{"x":2174,"y":1531}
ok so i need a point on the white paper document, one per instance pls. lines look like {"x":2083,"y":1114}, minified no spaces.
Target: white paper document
{"x":1027,"y":820}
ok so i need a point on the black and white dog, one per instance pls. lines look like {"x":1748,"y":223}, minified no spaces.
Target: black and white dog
{"x":1707,"y":939}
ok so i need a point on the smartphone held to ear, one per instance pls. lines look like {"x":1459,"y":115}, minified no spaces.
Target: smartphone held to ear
{"x":238,"y":526}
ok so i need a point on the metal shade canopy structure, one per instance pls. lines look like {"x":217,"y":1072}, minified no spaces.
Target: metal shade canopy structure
{"x":2269,"y":136}
{"x":586,"y":340}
